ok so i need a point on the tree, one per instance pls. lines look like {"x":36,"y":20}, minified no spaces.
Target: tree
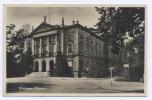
{"x":15,"y":47}
{"x":117,"y":22}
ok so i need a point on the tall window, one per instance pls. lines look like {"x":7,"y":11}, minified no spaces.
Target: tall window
{"x":44,"y":45}
{"x":81,"y":65}
{"x":70,"y":37}
{"x":51,"y":48}
{"x":52,"y":39}
{"x":70,"y":50}
{"x":81,"y":46}
{"x":37,"y":45}
{"x":87,"y":46}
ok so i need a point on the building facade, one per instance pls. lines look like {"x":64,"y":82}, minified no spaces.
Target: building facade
{"x":62,"y":50}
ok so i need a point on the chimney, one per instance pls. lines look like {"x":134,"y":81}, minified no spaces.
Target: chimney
{"x":77,"y":22}
{"x":45,"y":19}
{"x":73,"y":22}
{"x":62,"y":21}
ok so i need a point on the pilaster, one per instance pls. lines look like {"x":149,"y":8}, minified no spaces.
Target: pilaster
{"x":48,"y":46}
{"x":40,"y":49}
{"x":33,"y":46}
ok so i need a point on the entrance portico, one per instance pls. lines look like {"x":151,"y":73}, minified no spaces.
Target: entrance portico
{"x":45,"y":65}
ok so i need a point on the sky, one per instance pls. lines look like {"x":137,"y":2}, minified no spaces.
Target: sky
{"x":19,"y":16}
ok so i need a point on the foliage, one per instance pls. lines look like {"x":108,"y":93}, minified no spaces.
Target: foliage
{"x":129,"y":20}
{"x":124,"y":26}
{"x":17,"y":59}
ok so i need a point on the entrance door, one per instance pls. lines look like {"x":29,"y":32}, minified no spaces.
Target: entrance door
{"x":51,"y":67}
{"x":43,"y":66}
{"x":36,"y":67}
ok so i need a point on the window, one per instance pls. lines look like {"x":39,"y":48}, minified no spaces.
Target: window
{"x":70,"y":37}
{"x":37,"y":45}
{"x":87,"y":41}
{"x":87,"y":64}
{"x":51,"y":48}
{"x":81,"y":65}
{"x":81,"y":46}
{"x":70,"y":48}
{"x":91,"y":42}
{"x":44,"y":45}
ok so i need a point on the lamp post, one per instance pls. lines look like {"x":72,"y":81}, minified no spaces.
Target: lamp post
{"x":111,"y":68}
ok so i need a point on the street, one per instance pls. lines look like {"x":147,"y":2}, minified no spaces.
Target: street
{"x":70,"y":85}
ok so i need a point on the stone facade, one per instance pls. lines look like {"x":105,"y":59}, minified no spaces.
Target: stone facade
{"x":63,"y":50}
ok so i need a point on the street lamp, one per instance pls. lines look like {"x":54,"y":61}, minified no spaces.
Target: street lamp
{"x":111,"y":68}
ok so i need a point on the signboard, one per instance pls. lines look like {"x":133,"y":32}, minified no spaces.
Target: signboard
{"x":126,"y":65}
{"x":111,"y":68}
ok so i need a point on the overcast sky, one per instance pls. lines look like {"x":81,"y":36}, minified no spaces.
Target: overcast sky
{"x":87,"y":16}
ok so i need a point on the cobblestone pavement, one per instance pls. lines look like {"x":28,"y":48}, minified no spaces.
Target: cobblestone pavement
{"x":70,"y":85}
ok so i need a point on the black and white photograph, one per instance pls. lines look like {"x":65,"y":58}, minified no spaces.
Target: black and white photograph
{"x":74,"y":50}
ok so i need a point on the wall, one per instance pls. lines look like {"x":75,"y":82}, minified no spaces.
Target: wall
{"x":90,"y":54}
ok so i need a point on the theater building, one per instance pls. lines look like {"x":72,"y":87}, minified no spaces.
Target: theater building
{"x":61,"y":50}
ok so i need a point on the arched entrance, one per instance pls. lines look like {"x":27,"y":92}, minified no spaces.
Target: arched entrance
{"x":43,"y":66}
{"x":51,"y":67}
{"x":36,"y":66}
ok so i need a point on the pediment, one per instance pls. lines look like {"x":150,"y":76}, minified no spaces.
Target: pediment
{"x":43,"y":27}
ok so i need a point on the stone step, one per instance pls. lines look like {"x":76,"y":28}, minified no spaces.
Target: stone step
{"x":38,"y":74}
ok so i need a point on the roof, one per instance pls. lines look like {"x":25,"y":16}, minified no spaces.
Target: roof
{"x":85,"y":29}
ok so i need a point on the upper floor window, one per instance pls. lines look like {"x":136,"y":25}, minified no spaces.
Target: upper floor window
{"x":70,"y":48}
{"x":70,"y":37}
{"x":51,"y":48}
{"x":81,"y":46}
{"x":44,"y":41}
{"x":37,"y":42}
{"x":44,"y":44}
{"x":37,"y":45}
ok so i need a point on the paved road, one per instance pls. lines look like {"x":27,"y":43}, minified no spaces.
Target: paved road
{"x":70,"y":85}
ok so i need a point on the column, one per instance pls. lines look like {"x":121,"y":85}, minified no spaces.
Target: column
{"x":40,"y":65}
{"x":47,"y":65}
{"x":33,"y":46}
{"x":61,"y":42}
{"x":77,"y":42}
{"x":57,"y":46}
{"x":40,"y":49}
{"x":48,"y":51}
